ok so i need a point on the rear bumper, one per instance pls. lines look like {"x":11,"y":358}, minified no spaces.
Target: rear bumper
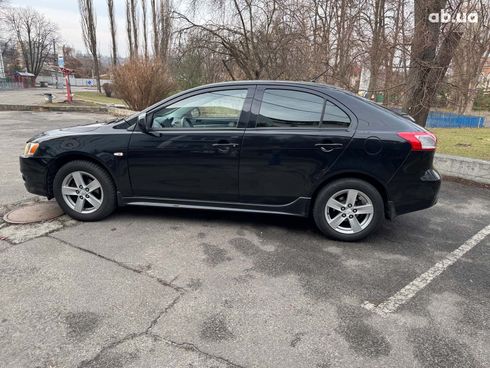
{"x":409,"y":195}
{"x":34,"y":173}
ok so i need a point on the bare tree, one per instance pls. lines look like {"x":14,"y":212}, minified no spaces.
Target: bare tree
{"x":377,"y":49}
{"x":112,"y":25}
{"x":470,"y":57}
{"x":89,"y":31}
{"x":433,"y":47}
{"x":165,"y":29}
{"x":256,"y":38}
{"x":34,"y":34}
{"x":195,"y":65}
{"x":154,"y":24}
{"x":135,"y":23}
{"x":337,"y":35}
{"x":145,"y":36}
{"x":330,"y":41}
{"x":129,"y":28}
{"x":396,"y":51}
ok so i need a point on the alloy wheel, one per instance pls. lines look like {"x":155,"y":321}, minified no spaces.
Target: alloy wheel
{"x":349,"y":211}
{"x":82,"y":192}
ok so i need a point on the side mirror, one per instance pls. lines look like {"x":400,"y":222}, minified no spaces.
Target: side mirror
{"x":143,"y":124}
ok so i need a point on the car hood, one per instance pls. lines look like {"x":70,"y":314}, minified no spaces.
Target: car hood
{"x":80,"y":129}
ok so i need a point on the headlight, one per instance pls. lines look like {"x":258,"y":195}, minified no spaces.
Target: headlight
{"x":30,"y":149}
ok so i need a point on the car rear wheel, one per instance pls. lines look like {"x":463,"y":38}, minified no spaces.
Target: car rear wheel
{"x":348,"y":209}
{"x":85,"y":191}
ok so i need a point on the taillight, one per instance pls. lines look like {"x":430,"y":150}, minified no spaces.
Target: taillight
{"x":420,"y":141}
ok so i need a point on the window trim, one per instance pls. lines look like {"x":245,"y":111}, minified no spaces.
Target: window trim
{"x":242,"y":119}
{"x":257,"y":103}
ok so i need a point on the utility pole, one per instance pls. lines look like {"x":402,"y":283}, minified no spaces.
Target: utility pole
{"x":55,"y":62}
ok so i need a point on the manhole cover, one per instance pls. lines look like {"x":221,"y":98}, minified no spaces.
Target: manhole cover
{"x":37,"y":212}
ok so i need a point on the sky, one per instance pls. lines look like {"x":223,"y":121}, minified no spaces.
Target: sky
{"x":65,"y":14}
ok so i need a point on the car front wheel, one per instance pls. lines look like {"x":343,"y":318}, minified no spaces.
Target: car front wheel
{"x":84,"y":190}
{"x":348,"y":209}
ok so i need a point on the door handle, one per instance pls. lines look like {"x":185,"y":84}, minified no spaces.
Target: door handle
{"x":219,"y":145}
{"x":329,"y":147}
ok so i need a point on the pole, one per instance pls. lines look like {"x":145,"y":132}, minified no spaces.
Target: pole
{"x":68,"y":89}
{"x":66,"y":73}
{"x":55,"y":61}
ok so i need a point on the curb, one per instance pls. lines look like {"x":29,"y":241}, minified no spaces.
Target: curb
{"x":37,"y":108}
{"x":116,"y":111}
{"x":463,"y":168}
{"x":117,"y":106}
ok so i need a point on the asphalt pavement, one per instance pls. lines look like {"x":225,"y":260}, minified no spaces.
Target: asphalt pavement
{"x":151,"y":287}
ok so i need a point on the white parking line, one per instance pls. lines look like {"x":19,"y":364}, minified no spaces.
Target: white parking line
{"x":408,"y":292}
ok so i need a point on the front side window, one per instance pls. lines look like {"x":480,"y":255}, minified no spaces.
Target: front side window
{"x":209,"y":110}
{"x":289,"y":109}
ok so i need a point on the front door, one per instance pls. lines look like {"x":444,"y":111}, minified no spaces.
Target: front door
{"x":295,"y":136}
{"x":192,"y":150}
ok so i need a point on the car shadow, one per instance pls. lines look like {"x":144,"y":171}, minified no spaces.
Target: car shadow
{"x":230,"y":217}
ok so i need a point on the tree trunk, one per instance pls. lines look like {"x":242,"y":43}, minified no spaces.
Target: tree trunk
{"x":134,"y":22}
{"x":145,"y":36}
{"x":427,"y":66}
{"x":128,"y":29}
{"x":112,"y":25}
{"x":471,"y":96}
{"x":164,"y":29}
{"x":154,"y":23}
{"x":97,"y":73}
{"x":89,"y":30}
{"x":376,"y":46}
{"x":426,"y":80}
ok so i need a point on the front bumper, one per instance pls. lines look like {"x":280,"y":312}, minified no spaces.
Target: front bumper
{"x":34,"y":172}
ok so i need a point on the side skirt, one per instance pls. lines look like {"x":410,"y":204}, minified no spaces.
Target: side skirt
{"x":298,"y":207}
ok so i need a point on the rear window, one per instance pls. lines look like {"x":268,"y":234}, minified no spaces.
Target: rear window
{"x":294,"y":109}
{"x":289,"y":109}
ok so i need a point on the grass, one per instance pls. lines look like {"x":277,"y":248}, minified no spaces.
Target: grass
{"x":467,"y":142}
{"x":98,"y":98}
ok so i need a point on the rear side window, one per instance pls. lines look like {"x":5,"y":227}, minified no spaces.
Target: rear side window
{"x":289,"y":109}
{"x":334,"y":117}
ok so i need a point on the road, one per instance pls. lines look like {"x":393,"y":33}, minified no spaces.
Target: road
{"x":152,"y":287}
{"x":17,"y":127}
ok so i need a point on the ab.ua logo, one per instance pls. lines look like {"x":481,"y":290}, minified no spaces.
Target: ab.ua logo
{"x":445,"y":17}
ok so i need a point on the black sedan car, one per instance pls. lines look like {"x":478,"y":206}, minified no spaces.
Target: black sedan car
{"x":291,"y":148}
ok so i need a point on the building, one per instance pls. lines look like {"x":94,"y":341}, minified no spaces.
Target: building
{"x":26,"y":79}
{"x":485,"y":76}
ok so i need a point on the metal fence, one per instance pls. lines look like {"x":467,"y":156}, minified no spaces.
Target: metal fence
{"x":439,"y":119}
{"x":6,"y":84}
{"x":79,"y":82}
{"x":450,"y":120}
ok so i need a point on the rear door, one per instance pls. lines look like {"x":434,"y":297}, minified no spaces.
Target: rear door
{"x":294,"y":136}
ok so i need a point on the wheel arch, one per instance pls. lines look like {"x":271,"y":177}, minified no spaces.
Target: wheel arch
{"x":61,"y":160}
{"x":353,"y":175}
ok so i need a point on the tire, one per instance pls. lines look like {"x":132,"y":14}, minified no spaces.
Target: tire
{"x":342,"y":222}
{"x":85,"y":191}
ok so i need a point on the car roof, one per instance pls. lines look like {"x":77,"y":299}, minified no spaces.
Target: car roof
{"x":276,"y":82}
